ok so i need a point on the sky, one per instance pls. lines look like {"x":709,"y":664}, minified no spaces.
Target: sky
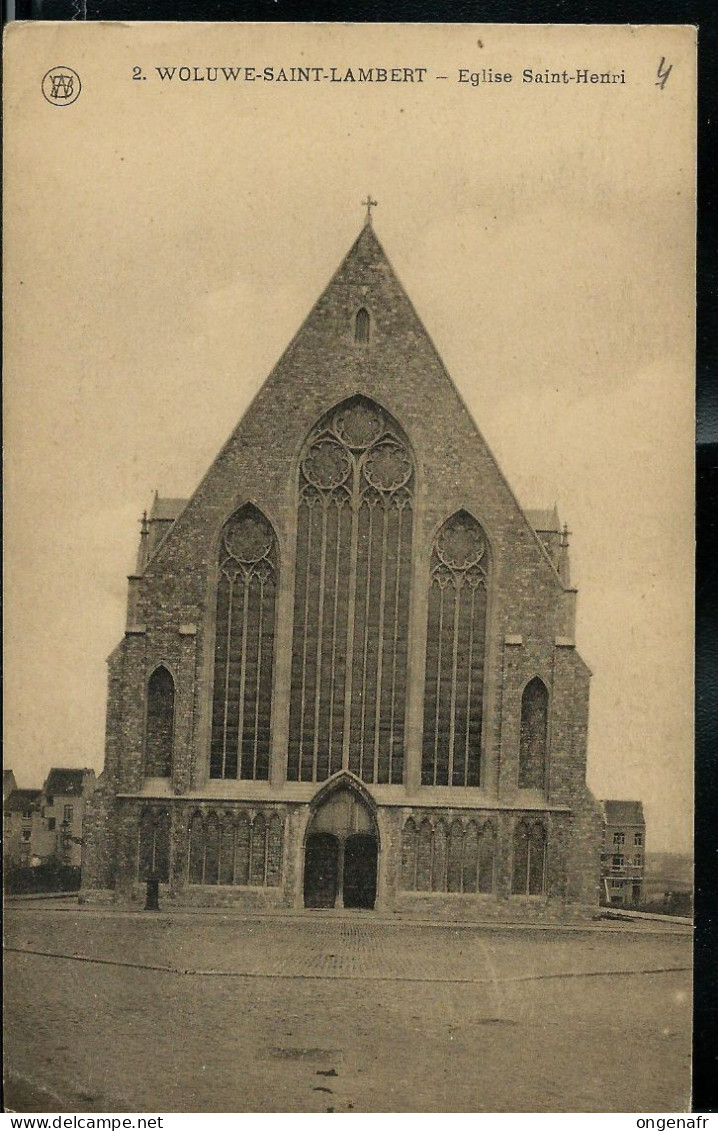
{"x":165,"y":242}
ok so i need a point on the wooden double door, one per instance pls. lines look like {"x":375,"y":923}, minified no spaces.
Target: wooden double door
{"x":340,"y":871}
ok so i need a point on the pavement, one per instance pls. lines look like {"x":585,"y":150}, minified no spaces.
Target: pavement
{"x":125,"y":1011}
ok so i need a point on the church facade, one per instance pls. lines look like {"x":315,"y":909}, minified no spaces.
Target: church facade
{"x":349,"y":676}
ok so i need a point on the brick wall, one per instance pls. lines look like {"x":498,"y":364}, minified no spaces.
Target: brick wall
{"x":530,"y":612}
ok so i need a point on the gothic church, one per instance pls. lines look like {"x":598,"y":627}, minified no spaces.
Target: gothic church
{"x":349,"y":677}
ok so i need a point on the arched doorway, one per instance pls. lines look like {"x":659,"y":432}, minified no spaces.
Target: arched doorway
{"x":341,"y":853}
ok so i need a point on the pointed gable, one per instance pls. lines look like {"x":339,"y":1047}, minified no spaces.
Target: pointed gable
{"x":394,"y":362}
{"x":354,"y":605}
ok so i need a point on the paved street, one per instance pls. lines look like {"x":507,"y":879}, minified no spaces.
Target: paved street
{"x":325,"y":1013}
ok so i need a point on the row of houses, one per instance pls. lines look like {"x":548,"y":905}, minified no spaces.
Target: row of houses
{"x":44,"y":825}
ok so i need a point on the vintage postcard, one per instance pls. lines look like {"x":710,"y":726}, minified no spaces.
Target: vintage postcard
{"x":349,"y":568}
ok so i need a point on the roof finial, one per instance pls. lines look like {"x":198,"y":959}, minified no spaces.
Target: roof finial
{"x":369,"y":204}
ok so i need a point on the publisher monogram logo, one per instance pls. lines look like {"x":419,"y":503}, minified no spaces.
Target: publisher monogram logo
{"x":61,"y":86}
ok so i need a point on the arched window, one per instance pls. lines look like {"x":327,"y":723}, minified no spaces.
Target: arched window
{"x":534,"y":731}
{"x":529,"y":871}
{"x":236,"y":850}
{"x":258,"y":861}
{"x":362,"y":326}
{"x":154,"y":845}
{"x":196,"y":849}
{"x":469,"y":871}
{"x":244,"y":648}
{"x":159,"y":731}
{"x":351,"y":603}
{"x":226,"y":850}
{"x":408,"y":856}
{"x":458,"y":858}
{"x":455,"y":857}
{"x":242,"y":848}
{"x":439,"y":858}
{"x":211,"y":849}
{"x":424,"y":856}
{"x":455,"y":644}
{"x":275,"y":838}
{"x":487,"y":856}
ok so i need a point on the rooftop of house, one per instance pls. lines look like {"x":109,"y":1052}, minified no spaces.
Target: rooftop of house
{"x":623,"y":812}
{"x":21,"y":799}
{"x":67,"y":783}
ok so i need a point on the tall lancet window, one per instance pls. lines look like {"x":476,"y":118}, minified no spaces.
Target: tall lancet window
{"x":351,"y":604}
{"x":159,"y":728}
{"x":534,"y":732}
{"x":244,"y":647}
{"x":455,"y":644}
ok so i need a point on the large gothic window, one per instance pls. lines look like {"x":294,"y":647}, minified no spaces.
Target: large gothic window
{"x":159,"y":731}
{"x":351,"y":605}
{"x":455,"y":644}
{"x":244,"y":647}
{"x":534,"y":730}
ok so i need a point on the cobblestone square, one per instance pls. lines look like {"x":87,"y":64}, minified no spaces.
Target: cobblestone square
{"x":112,"y":1011}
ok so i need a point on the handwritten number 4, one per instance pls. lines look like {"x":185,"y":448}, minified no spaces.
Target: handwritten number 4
{"x":663,"y":72}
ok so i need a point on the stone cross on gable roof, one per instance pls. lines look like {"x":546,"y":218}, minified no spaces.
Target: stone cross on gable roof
{"x":369,"y":204}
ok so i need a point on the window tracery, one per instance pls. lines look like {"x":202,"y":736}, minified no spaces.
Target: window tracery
{"x":456,"y":631}
{"x":448,"y":856}
{"x":244,"y":647}
{"x":349,"y":655}
{"x":242,"y":849}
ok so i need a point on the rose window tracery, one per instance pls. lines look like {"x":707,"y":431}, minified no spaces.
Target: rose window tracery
{"x":248,"y":540}
{"x":388,"y":466}
{"x":326,"y":464}
{"x":358,"y":425}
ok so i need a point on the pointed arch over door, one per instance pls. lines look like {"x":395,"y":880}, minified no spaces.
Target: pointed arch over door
{"x":244,"y":647}
{"x":455,"y":645}
{"x":351,"y":604}
{"x":341,"y":848}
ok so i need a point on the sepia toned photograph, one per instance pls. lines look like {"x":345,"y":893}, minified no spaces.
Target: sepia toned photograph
{"x":349,"y":403}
